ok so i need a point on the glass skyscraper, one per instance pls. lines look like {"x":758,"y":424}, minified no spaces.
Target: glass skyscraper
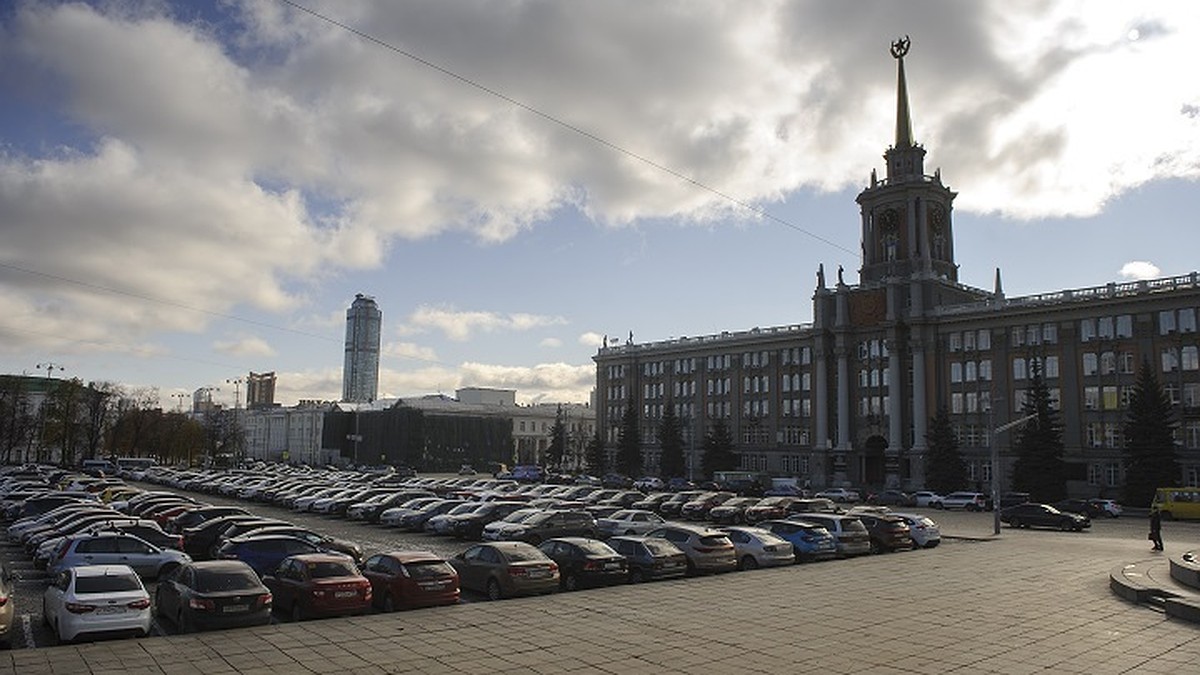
{"x":360,"y":374}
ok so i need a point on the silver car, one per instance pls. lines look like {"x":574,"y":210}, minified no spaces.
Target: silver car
{"x":707,"y":550}
{"x":757,"y":547}
{"x":629,"y":522}
{"x":924,"y":532}
{"x":852,"y":536}
{"x":114,"y":548}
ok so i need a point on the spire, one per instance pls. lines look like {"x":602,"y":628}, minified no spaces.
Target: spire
{"x":903,"y":118}
{"x":998,"y":290}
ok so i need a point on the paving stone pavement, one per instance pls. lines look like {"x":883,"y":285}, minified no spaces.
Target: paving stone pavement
{"x":1025,"y":602}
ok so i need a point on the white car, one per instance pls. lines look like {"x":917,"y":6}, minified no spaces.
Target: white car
{"x":925,"y":498}
{"x":967,"y":501}
{"x":1108,"y":507}
{"x":922,"y":529}
{"x":649,"y":483}
{"x":840,"y":494}
{"x":628,"y":521}
{"x":757,"y":547}
{"x":96,"y":599}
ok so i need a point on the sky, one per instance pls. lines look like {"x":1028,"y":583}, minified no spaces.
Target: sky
{"x":193,"y":191}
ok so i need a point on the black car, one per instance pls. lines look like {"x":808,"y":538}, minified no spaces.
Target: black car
{"x":888,"y":533}
{"x":650,"y":558}
{"x":552,"y":524}
{"x":1043,"y":515}
{"x":196,"y":516}
{"x":200,"y":541}
{"x":213,"y":594}
{"x":585,"y":562}
{"x":324,"y":542}
{"x":1081,"y":506}
{"x":470,"y":525}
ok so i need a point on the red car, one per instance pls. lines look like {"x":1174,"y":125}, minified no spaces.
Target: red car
{"x":319,"y":584}
{"x":409,"y":579}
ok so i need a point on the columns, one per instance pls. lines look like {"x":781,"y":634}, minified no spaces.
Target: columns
{"x":895,"y":398}
{"x":821,"y":432}
{"x":843,"y":400}
{"x":920,"y":415}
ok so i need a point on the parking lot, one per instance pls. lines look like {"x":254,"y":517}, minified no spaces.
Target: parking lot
{"x":960,"y":529}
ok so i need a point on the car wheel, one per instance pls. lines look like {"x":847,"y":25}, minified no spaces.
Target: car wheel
{"x":748,"y":563}
{"x":1065,"y":525}
{"x":184,"y":623}
{"x":691,"y":568}
{"x":570,"y":582}
{"x":494,"y":591}
{"x":937,"y":505}
{"x":876,"y":549}
{"x":1015,"y":523}
{"x":389,"y":605}
{"x":297,"y":611}
{"x":636,"y":577}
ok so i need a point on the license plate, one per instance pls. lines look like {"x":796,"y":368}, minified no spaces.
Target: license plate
{"x":345,"y":594}
{"x":235,"y":608}
{"x":612,"y":566}
{"x":539,"y":574}
{"x":431,"y":586}
{"x":110,"y":610}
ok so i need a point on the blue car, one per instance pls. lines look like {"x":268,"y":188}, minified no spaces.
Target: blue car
{"x":812,"y":542}
{"x":264,"y":553}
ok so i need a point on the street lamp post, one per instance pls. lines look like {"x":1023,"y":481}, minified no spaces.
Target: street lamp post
{"x":239,"y":446}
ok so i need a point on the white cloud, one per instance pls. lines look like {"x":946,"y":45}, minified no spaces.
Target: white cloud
{"x":409,"y":350}
{"x":244,"y":346}
{"x":550,"y":342}
{"x":591,"y":339}
{"x":1140,"y":269}
{"x":459,"y":326}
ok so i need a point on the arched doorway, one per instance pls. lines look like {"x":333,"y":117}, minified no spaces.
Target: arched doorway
{"x":874,"y":466}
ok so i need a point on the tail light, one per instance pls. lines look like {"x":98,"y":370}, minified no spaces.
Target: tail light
{"x":591,"y":565}
{"x":263,"y":599}
{"x":201,"y":604}
{"x":80,"y":608}
{"x":367,"y":591}
{"x":3,"y":600}
{"x":139,"y":604}
{"x":516,"y":571}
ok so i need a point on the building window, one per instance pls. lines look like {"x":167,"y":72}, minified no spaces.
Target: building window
{"x":970,"y":372}
{"x":1095,"y":474}
{"x":955,"y":342}
{"x":985,"y":370}
{"x":1087,"y":330}
{"x":1189,"y":358}
{"x":1191,"y":395}
{"x":1050,"y":367}
{"x":1112,"y":474}
{"x":956,"y":374}
{"x":1050,"y":333}
{"x":1090,"y":363}
{"x":969,"y":341}
{"x":1126,"y":363}
{"x":1104,"y":328}
{"x":1187,"y":320}
{"x":984,"y":339}
{"x":1124,"y":326}
{"x":956,"y":403}
{"x":1018,"y":336}
{"x":1191,"y":436}
{"x":1166,"y":322}
{"x":1019,"y":369}
{"x":1170,"y":360}
{"x":1091,"y":398}
{"x":1108,"y":363}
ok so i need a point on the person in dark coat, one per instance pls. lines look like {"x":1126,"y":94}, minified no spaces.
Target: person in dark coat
{"x":1156,"y":530}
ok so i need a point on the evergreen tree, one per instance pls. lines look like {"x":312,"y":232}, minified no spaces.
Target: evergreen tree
{"x":1151,"y":460}
{"x":670,"y":438}
{"x":1039,"y":468}
{"x":945,"y":470}
{"x":558,"y":441}
{"x":595,"y":456}
{"x":718,"y":451}
{"x":629,"y":445}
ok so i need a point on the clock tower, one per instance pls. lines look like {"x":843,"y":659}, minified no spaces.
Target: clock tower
{"x":906,"y":217}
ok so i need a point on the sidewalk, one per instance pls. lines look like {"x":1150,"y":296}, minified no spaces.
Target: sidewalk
{"x":1019,"y":604}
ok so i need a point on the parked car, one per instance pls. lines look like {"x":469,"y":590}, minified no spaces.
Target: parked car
{"x":968,"y":501}
{"x":213,"y":594}
{"x":443,"y":523}
{"x":410,"y":579}
{"x":629,"y":522}
{"x":649,"y":558}
{"x":649,"y":484}
{"x":91,"y":599}
{"x":194,"y":517}
{"x":921,"y":529}
{"x":891,"y":498}
{"x":652,"y":502}
{"x":321,"y":541}
{"x":814,"y":505}
{"x":470,"y":525}
{"x":851,"y":535}
{"x":1013,"y":498}
{"x":549,"y":524}
{"x":1043,"y":515}
{"x":264,"y":553}
{"x":758,"y":547}
{"x":505,"y":569}
{"x":698,"y":508}
{"x":839,"y":494}
{"x":584,"y":562}
{"x":707,"y":550}
{"x":116,"y":548}
{"x":733,"y":511}
{"x":768,"y":508}
{"x":925,"y":498}
{"x":810,"y":541}
{"x":317,"y":585}
{"x":670,"y":507}
{"x":1108,"y":507}
{"x":413,"y":520}
{"x":887,"y":532}
{"x":1081,"y":506}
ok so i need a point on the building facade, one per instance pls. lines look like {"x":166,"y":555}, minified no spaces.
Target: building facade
{"x":360,"y":371}
{"x":260,"y":390}
{"x":847,"y":399}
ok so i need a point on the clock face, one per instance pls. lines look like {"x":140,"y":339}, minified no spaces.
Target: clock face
{"x":937,"y":218}
{"x":889,"y":220}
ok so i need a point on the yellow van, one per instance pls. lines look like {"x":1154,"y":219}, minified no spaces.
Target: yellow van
{"x":1177,"y":502}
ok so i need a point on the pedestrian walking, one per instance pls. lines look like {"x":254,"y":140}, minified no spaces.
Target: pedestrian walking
{"x":1156,"y":530}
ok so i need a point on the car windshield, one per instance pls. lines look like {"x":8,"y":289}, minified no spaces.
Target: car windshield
{"x":659,"y":547}
{"x":520,"y":515}
{"x":326,"y":569}
{"x":214,"y":581}
{"x":853,"y":526}
{"x":428,"y":569}
{"x":463,"y":508}
{"x":106,"y":584}
{"x":715,"y":540}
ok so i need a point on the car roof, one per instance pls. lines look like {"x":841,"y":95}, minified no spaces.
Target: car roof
{"x":220,"y":565}
{"x":103,"y":570}
{"x":414,"y":556}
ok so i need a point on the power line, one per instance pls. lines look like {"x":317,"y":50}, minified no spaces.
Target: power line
{"x":760,"y":211}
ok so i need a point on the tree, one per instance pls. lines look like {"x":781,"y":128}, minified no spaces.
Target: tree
{"x":718,"y":450}
{"x":17,"y":422}
{"x":629,"y":445}
{"x":1039,"y":468}
{"x":595,"y":456}
{"x":1151,"y":459}
{"x":670,"y":439}
{"x":558,"y":441}
{"x":945,"y":470}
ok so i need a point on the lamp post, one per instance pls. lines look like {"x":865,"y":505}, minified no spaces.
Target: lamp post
{"x":996,"y":467}
{"x":240,"y":443}
{"x":180,"y":397}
